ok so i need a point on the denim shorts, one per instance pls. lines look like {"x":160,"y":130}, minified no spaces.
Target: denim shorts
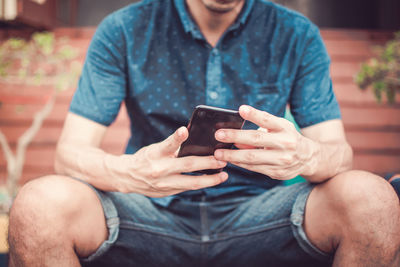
{"x":260,"y":230}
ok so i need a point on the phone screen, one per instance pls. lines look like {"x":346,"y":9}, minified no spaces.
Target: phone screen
{"x":204,"y":123}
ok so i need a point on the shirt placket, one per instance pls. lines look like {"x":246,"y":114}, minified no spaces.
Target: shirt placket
{"x":216,"y":95}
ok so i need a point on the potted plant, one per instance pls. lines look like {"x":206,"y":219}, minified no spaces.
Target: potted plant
{"x":42,"y":61}
{"x":382,"y":73}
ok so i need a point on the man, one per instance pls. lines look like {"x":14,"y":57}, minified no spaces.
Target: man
{"x":163,"y":58}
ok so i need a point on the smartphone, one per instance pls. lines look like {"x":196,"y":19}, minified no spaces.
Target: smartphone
{"x":205,"y":121}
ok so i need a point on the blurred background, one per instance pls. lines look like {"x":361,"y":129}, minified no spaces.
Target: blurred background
{"x":351,"y":29}
{"x":353,"y":14}
{"x":362,"y":14}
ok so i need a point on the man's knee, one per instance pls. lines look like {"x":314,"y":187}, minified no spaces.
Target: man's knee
{"x":359,"y":193}
{"x":352,"y":203}
{"x":48,"y":207}
{"x":47,"y":196}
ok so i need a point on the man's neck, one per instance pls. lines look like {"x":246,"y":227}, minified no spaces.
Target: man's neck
{"x":212,"y":24}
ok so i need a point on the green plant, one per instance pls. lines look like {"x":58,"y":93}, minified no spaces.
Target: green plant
{"x":382,"y":73}
{"x":43,"y":60}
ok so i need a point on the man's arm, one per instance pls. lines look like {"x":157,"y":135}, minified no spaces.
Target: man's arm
{"x":332,"y":153}
{"x":281,"y":152}
{"x":153,"y":171}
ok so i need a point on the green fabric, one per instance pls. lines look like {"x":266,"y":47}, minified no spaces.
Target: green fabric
{"x":297,"y":179}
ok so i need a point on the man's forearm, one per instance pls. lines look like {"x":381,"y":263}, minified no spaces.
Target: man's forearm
{"x":89,"y":164}
{"x":327,"y":160}
{"x":152,"y":171}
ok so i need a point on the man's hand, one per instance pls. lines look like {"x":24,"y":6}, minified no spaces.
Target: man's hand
{"x":276,"y":149}
{"x":155,"y":170}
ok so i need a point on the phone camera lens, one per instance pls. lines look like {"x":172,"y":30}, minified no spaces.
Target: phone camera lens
{"x":202,"y":114}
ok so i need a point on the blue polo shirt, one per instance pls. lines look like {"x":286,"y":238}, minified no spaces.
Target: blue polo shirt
{"x":152,"y":56}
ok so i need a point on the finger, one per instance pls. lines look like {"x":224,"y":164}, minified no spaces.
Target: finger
{"x":173,"y":142}
{"x":271,"y":171}
{"x":252,"y":138}
{"x":196,"y":163}
{"x":250,"y":167}
{"x":261,"y":118}
{"x":190,"y":182}
{"x":243,"y":146}
{"x":253,"y":156}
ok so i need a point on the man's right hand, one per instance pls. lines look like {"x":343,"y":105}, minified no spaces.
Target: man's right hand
{"x":155,"y":170}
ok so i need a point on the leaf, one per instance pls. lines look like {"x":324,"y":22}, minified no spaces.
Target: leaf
{"x":62,"y":83}
{"x":378,"y":95}
{"x":3,"y":68}
{"x":382,"y":73}
{"x":39,"y":77}
{"x":25,"y":62}
{"x":391,"y":94}
{"x":360,"y":80}
{"x":45,"y":42}
{"x":389,"y":52}
{"x":379,"y":87}
{"x":67,"y":53}
{"x":22,"y":73}
{"x":16,"y":43}
{"x":19,"y":109}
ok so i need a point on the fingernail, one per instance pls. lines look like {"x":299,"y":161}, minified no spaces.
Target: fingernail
{"x":218,"y":154}
{"x":221,"y":163}
{"x":180,"y":132}
{"x":223,"y":175}
{"x":245,"y":109}
{"x":220,"y":134}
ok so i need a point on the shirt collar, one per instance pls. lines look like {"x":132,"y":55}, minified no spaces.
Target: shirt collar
{"x":190,"y":26}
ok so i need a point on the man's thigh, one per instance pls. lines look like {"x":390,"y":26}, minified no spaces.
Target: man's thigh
{"x":150,"y":235}
{"x":263,"y":230}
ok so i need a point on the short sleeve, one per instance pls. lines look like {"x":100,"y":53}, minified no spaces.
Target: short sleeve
{"x":102,"y":85}
{"x":312,"y":99}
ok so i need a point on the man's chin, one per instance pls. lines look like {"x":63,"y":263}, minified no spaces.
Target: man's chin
{"x":221,"y":6}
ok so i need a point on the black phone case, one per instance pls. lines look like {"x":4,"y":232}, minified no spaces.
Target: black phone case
{"x":204,"y":123}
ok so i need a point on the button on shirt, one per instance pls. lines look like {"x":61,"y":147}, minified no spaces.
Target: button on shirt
{"x":152,"y":56}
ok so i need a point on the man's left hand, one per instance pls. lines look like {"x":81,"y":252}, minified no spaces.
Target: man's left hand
{"x":276,"y":149}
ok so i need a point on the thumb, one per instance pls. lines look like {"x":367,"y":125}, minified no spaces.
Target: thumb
{"x":173,"y":142}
